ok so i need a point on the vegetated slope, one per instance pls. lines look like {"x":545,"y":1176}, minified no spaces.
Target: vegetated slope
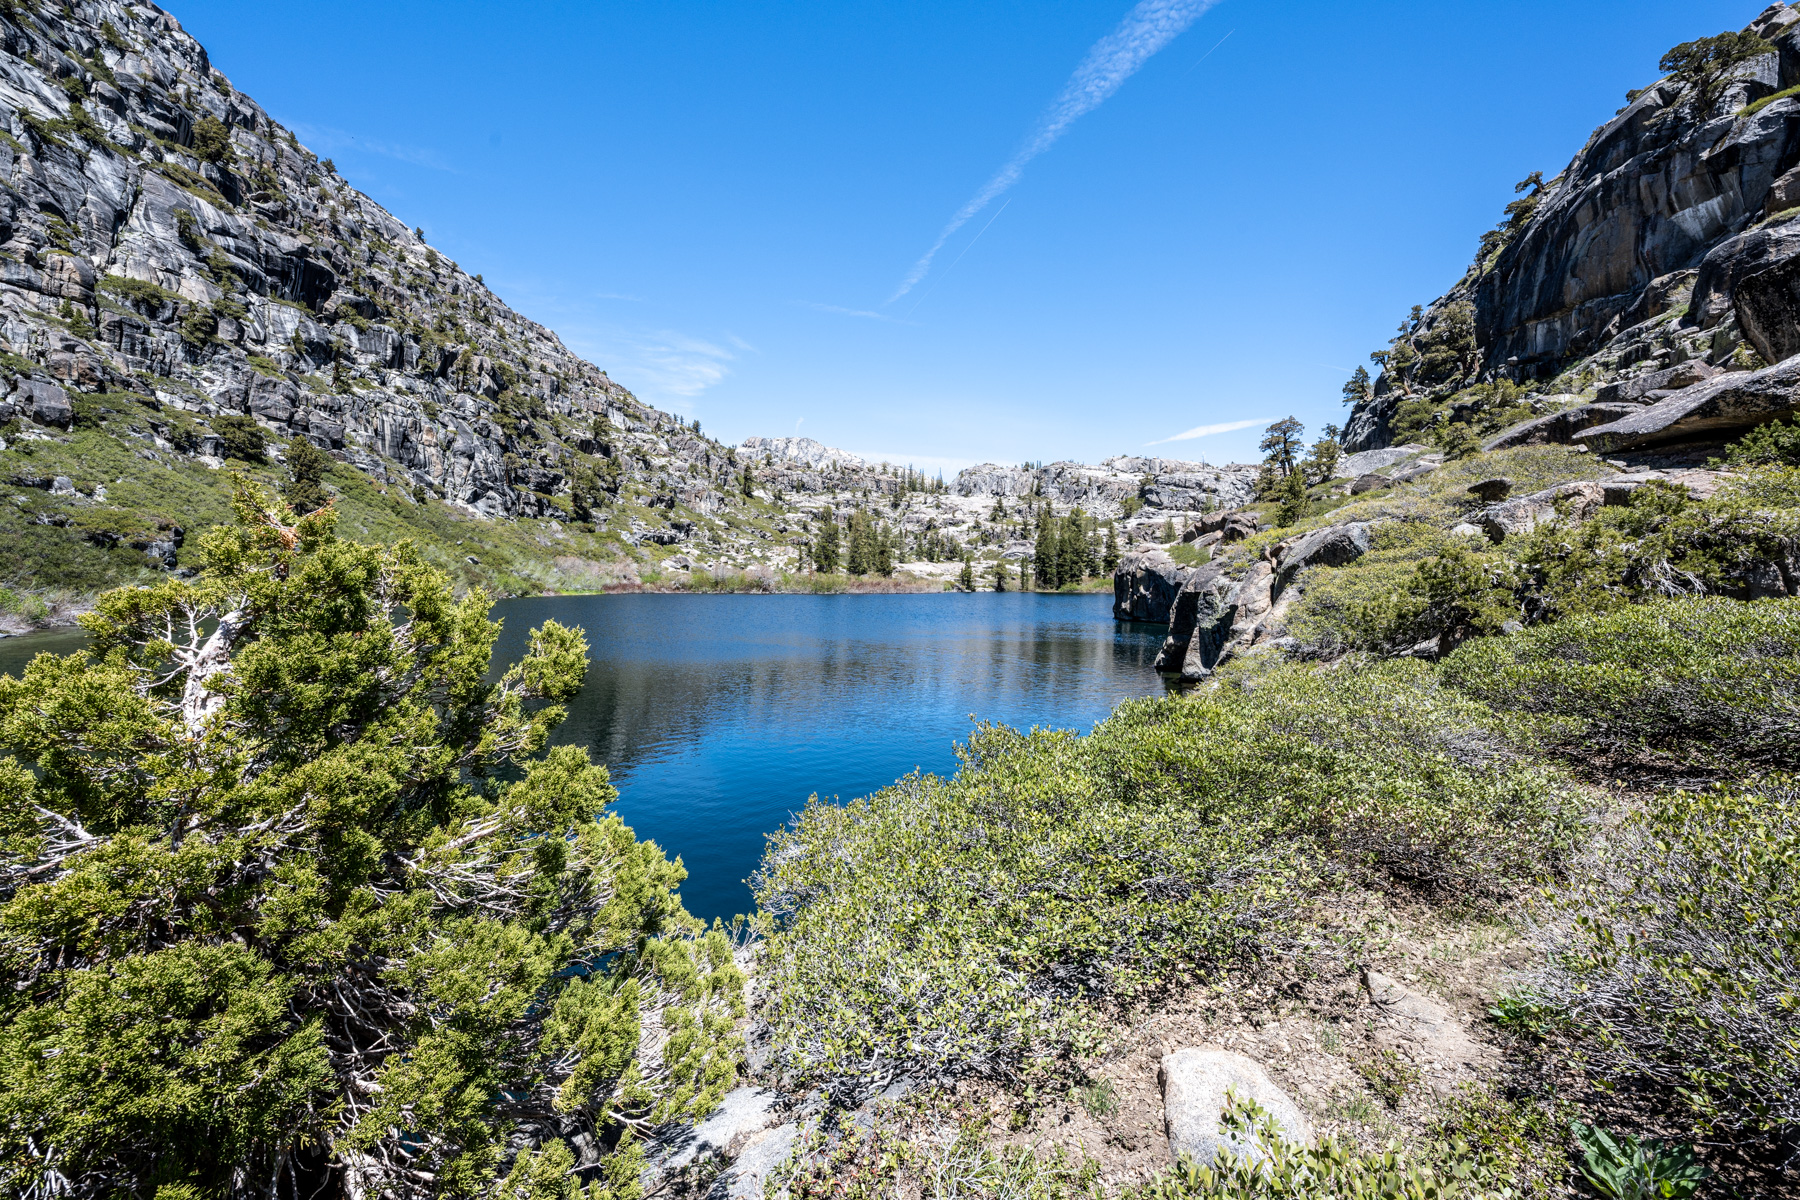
{"x":1672,"y":238}
{"x":174,"y":264}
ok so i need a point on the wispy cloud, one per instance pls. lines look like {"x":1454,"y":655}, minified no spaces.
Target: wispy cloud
{"x":674,"y":367}
{"x":1200,"y":431}
{"x":324,"y":137}
{"x":1115,"y":58}
{"x":618,"y":296}
{"x":841,"y":311}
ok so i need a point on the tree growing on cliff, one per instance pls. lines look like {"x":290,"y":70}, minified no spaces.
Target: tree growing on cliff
{"x":293,"y":902}
{"x":1357,"y":389}
{"x":306,"y":465}
{"x":1706,"y":64}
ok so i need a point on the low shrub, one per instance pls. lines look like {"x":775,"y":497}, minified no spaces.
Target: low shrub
{"x":1697,"y":684}
{"x":962,"y":925}
{"x":1673,"y":960}
{"x":1273,"y":1166}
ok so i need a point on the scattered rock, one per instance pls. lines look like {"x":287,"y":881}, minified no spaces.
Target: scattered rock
{"x":1492,"y":490}
{"x":1369,"y":482}
{"x":1464,"y":529}
{"x":47,"y":403}
{"x":1509,"y":518}
{"x":1422,"y":1030}
{"x":1195,"y":1084}
{"x":62,"y":485}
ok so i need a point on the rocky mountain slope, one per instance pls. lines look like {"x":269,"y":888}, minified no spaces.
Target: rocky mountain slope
{"x":1666,"y":252}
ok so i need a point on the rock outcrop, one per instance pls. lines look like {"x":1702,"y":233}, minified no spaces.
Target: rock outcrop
{"x":1710,"y":411}
{"x":1145,"y":587}
{"x":1668,"y":250}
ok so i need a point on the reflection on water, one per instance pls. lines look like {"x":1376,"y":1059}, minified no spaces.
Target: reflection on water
{"x":719,"y":715}
{"x":16,"y":652}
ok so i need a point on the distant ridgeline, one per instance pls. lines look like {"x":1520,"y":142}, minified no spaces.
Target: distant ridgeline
{"x":1671,"y":243}
{"x":184,"y":287}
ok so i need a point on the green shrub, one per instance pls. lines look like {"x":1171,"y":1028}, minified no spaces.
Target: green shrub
{"x":1777,"y":442}
{"x":957,"y":925}
{"x":1622,"y":1167}
{"x":1673,"y":959}
{"x":1326,"y":1169}
{"x":241,"y":437}
{"x":343,"y":908}
{"x":1699,"y":684}
{"x":1385,"y":599}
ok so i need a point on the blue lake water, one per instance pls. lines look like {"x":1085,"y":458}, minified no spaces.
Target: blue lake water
{"x":719,"y":715}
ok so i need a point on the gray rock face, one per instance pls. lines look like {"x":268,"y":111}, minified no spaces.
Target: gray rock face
{"x":1196,"y":1084}
{"x":764,"y":1152}
{"x":1161,"y":483}
{"x":1333,"y":546}
{"x":801,"y":450}
{"x":1491,"y":490}
{"x":1559,"y":428}
{"x":1510,"y":518}
{"x":1667,"y":242}
{"x":1369,"y":483}
{"x":188,"y":269}
{"x":1714,"y":410}
{"x":743,"y":1112}
{"x":1642,"y":388}
{"x":1366,"y":462}
{"x":1145,"y":587}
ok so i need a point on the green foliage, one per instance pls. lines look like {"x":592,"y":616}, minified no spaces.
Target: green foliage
{"x":1447,"y":349}
{"x":138,"y":291}
{"x":1358,"y":388}
{"x":1624,"y":1168}
{"x":1706,"y":63}
{"x":1280,"y":445}
{"x":962,"y":925}
{"x":1416,"y":583}
{"x":825,"y":543}
{"x":1293,"y":498}
{"x":1756,"y":106}
{"x":1519,"y":1140}
{"x":1777,"y":443}
{"x":1265,"y":1165}
{"x":1676,"y":685}
{"x":241,"y":437}
{"x":286,"y":886}
{"x":965,"y":581}
{"x":1674,"y":958}
{"x":306,"y":465}
{"x":1388,"y":1075}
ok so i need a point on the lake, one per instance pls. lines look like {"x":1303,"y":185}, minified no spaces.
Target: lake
{"x":719,"y":715}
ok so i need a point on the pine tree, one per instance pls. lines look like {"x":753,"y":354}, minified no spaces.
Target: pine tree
{"x":298,"y":903}
{"x":1071,"y":549}
{"x":999,"y":510}
{"x":1000,"y":576}
{"x":1044,"y":555}
{"x":1281,"y":444}
{"x":825,"y":544}
{"x":306,"y":465}
{"x":1109,"y":558}
{"x":966,"y":580}
{"x":1357,"y":389}
{"x":1293,"y":499}
{"x":859,"y":557}
{"x":884,"y":551}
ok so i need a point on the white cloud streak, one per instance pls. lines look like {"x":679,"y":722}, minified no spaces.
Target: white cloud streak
{"x":1115,"y":58}
{"x":340,"y":140}
{"x":1200,"y":431}
{"x":841,"y":311}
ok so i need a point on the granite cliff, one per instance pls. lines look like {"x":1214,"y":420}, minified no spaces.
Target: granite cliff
{"x":1670,"y":244}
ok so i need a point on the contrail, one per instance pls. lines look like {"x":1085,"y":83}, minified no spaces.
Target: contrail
{"x":1149,"y":27}
{"x":957,"y":259}
{"x":1201,"y":431}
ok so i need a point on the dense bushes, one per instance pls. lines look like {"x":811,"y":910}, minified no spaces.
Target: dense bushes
{"x":1674,"y":960}
{"x":1703,"y":683}
{"x":944,"y":926}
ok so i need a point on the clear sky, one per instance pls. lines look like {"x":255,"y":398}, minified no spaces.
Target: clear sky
{"x":1214,"y":213}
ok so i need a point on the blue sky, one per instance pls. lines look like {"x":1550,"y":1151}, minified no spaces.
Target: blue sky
{"x":719,"y":202}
